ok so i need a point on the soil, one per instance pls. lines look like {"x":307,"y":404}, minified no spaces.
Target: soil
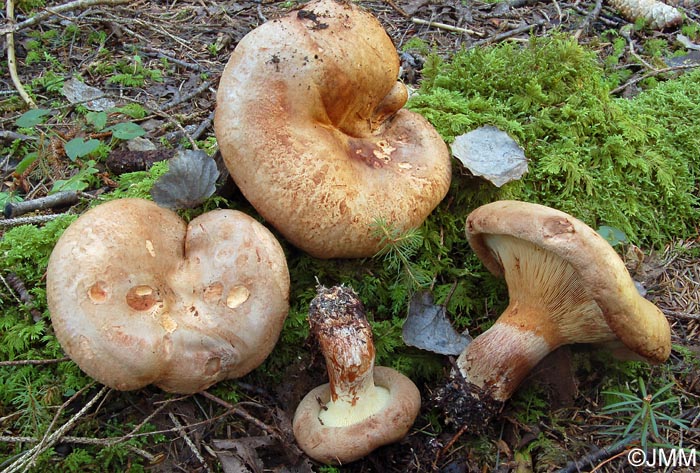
{"x":195,"y":38}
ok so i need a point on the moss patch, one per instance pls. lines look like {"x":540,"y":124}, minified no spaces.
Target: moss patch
{"x":630,"y":164}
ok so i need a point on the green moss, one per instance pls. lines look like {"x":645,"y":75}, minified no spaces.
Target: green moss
{"x":630,"y":164}
{"x":138,"y":184}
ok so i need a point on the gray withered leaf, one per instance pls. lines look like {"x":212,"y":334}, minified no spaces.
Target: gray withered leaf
{"x":189,"y":181}
{"x":427,"y":327}
{"x":490,"y":153}
{"x":92,"y":98}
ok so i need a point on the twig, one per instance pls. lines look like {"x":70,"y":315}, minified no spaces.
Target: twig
{"x":444,"y":26}
{"x":188,"y":441}
{"x":508,"y":34}
{"x":589,"y":461}
{"x":187,"y":65}
{"x":33,"y":362}
{"x":626,"y":33}
{"x":11,"y":57}
{"x":15,"y":283}
{"x":58,"y":199}
{"x":169,"y":118}
{"x":105,"y":442}
{"x":184,"y":98}
{"x":49,"y":12}
{"x":652,"y":74}
{"x":592,"y":16}
{"x":261,"y":15}
{"x":13,"y":135}
{"x":681,"y":315}
{"x":239,"y":411}
{"x":13,"y":222}
{"x":398,"y":9}
{"x":27,"y":459}
{"x":443,"y":451}
{"x":203,"y":126}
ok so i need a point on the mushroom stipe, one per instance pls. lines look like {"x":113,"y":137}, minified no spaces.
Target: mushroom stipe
{"x":362,"y":407}
{"x":566,"y":285}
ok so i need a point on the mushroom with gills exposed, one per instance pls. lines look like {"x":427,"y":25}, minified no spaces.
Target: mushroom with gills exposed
{"x":566,"y":285}
{"x":137,"y":296}
{"x":362,"y":407}
{"x":310,"y":125}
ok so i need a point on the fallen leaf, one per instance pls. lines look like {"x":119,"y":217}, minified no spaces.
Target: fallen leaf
{"x":140,"y":144}
{"x":690,"y":59}
{"x":79,"y":147}
{"x":189,"y":181}
{"x":32,"y":118}
{"x":490,"y":153}
{"x":91,"y":97}
{"x":239,"y":455}
{"x":685,"y":41}
{"x":126,"y":130}
{"x":427,"y":327}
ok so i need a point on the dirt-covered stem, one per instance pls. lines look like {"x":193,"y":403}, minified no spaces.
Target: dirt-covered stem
{"x":337,"y":320}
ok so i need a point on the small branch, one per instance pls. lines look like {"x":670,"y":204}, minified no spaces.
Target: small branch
{"x":161,"y":54}
{"x":587,"y":462}
{"x":14,"y":222}
{"x":188,"y":441}
{"x":59,"y":199}
{"x":104,"y":442}
{"x":17,"y":285}
{"x":681,"y":315}
{"x":49,"y":12}
{"x":241,"y":413}
{"x":27,"y":459}
{"x":184,"y":98}
{"x":33,"y":362}
{"x":445,"y":27}
{"x":508,"y":34}
{"x":12,"y":59}
{"x":443,"y":451}
{"x":652,"y":74}
{"x":13,"y":135}
{"x":398,"y":9}
{"x":203,"y":127}
{"x":590,"y":18}
{"x":626,"y":33}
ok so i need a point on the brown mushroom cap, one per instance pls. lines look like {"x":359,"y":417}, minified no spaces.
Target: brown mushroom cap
{"x":338,"y":445}
{"x":137,"y":296}
{"x":310,"y":125}
{"x":566,"y":284}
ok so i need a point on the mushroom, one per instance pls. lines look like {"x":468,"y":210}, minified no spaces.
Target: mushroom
{"x":362,"y":407}
{"x":310,"y":124}
{"x":137,"y":296}
{"x":566,"y":285}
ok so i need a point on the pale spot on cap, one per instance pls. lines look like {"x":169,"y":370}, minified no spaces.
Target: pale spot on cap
{"x":98,"y":292}
{"x":150,"y":249}
{"x":237,"y":296}
{"x":141,"y":297}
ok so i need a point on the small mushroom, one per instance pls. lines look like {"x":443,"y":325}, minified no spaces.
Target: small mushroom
{"x":566,"y":285}
{"x":362,"y":407}
{"x":137,"y":296}
{"x":310,"y":124}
